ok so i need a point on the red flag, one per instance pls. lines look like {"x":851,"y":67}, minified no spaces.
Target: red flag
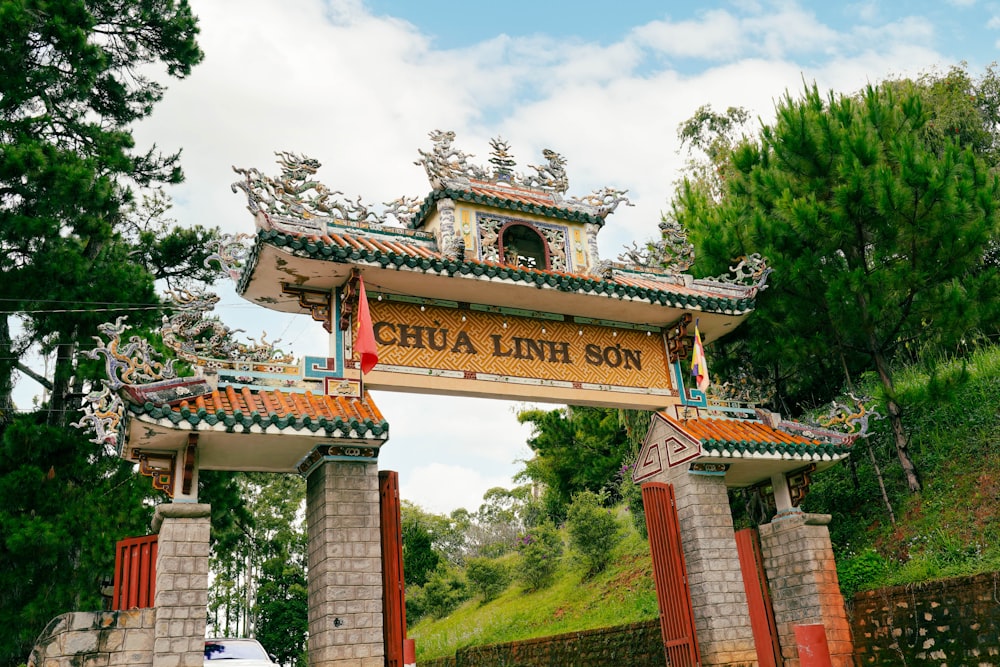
{"x":365,"y":345}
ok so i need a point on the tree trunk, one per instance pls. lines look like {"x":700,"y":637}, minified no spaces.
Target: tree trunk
{"x":61,"y":379}
{"x":881,"y":483}
{"x":6,"y":372}
{"x":899,"y":435}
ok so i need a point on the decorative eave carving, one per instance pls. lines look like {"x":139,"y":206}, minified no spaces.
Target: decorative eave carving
{"x":319,"y":303}
{"x":132,"y":367}
{"x":679,"y":342}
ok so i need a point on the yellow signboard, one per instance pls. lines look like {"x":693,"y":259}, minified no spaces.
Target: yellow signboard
{"x":481,"y":344}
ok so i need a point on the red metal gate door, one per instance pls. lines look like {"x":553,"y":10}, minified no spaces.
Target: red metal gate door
{"x":670,"y":575}
{"x":135,"y":573}
{"x":393,"y":592}
{"x":765,"y":631}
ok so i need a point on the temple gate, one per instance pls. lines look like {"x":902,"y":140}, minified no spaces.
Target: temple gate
{"x":491,"y":285}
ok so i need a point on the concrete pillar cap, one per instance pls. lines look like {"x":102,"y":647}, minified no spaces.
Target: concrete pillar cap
{"x":179,"y":511}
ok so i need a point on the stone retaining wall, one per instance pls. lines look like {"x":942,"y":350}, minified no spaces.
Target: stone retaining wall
{"x":636,"y":645}
{"x":948,"y":622}
{"x":97,"y":639}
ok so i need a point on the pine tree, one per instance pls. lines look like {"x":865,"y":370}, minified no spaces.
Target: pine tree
{"x":876,"y":235}
{"x":72,"y":82}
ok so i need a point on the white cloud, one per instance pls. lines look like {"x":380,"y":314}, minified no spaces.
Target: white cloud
{"x":718,"y":35}
{"x":442,"y":487}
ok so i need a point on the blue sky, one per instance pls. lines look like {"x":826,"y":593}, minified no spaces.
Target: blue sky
{"x":358,"y":85}
{"x":957,"y":25}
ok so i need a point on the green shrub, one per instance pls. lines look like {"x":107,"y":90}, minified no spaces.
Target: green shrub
{"x":416,"y":603}
{"x":858,"y":572}
{"x":594,"y":531}
{"x":487,"y":576}
{"x":444,"y":591}
{"x":631,"y":494}
{"x":540,"y":552}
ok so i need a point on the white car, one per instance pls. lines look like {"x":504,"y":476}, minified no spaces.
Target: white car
{"x":236,"y":653}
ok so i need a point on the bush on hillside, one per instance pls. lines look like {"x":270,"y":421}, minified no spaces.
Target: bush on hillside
{"x":594,"y":531}
{"x":444,"y":591}
{"x":631,"y":494}
{"x":487,"y":576}
{"x":540,"y":552}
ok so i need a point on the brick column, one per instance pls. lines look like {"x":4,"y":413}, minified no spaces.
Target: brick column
{"x":719,"y":601}
{"x":798,"y":559}
{"x":345,"y":565}
{"x":181,"y":599}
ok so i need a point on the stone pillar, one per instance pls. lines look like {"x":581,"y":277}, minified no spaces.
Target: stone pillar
{"x":345,"y":565}
{"x":719,"y":600}
{"x":181,"y":599}
{"x":798,"y":560}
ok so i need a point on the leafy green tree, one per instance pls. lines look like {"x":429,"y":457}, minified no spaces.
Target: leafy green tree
{"x":593,"y":530}
{"x":499,"y":520}
{"x":64,"y":502}
{"x":540,"y":551}
{"x":876,"y":237}
{"x":576,"y":449}
{"x":444,"y":591}
{"x":419,"y":557}
{"x":488,"y":576}
{"x":283,"y":610}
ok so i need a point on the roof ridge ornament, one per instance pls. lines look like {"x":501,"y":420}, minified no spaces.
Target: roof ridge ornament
{"x":448,"y":167}
{"x":202,"y":341}
{"x":295,"y":194}
{"x":196,"y":338}
{"x":854,"y":420}
{"x":673,"y":252}
{"x":133,"y":362}
{"x":751,"y":270}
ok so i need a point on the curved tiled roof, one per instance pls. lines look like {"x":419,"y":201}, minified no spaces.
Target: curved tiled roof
{"x":394,"y":254}
{"x":247,"y":410}
{"x":508,"y":199}
{"x":725,"y":437}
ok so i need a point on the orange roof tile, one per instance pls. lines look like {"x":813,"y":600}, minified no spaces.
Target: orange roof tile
{"x":737,"y":430}
{"x":283,"y":403}
{"x":229,"y":407}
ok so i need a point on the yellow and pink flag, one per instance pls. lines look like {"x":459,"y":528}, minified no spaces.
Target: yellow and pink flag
{"x":699,"y":367}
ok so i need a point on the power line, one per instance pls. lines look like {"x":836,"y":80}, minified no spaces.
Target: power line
{"x":117,"y":309}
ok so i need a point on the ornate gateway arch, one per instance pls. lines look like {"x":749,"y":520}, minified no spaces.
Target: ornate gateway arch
{"x":490,"y":285}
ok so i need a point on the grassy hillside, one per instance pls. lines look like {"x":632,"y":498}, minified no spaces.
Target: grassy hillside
{"x":623,"y":593}
{"x":951,"y":528}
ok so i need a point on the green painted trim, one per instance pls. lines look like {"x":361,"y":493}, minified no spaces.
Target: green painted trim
{"x":352,"y":428}
{"x":797,"y":449}
{"x":563,"y":282}
{"x":430,"y":202}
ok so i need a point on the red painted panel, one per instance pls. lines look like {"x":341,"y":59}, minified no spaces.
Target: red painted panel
{"x":393,"y":592}
{"x":135,"y":573}
{"x":670,"y":574}
{"x":813,"y":648}
{"x":765,"y":632}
